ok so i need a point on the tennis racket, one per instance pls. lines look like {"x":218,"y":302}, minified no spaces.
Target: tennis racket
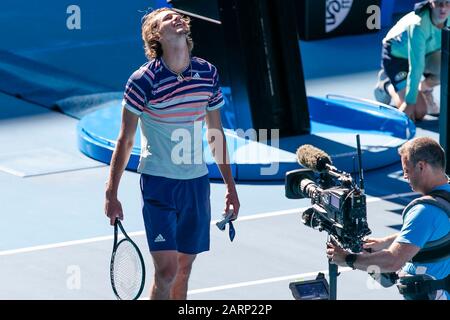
{"x":127,"y":269}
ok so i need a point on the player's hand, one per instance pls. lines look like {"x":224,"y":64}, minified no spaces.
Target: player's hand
{"x":113,"y":209}
{"x":232,"y":201}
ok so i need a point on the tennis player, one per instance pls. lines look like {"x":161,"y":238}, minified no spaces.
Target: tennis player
{"x":172,"y":95}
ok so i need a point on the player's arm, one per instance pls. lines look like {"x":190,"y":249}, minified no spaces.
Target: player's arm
{"x":218,"y":146}
{"x":119,"y":161}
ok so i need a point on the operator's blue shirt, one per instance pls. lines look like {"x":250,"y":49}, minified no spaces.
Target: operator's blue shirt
{"x":422,"y":224}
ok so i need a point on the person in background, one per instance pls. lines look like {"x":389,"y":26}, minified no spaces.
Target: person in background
{"x":412,"y":49}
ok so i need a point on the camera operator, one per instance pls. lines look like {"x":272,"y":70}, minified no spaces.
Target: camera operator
{"x":423,"y":163}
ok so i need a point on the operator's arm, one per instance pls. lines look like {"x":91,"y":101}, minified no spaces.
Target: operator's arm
{"x":119,"y":162}
{"x":218,"y":146}
{"x":416,"y":231}
{"x":377,"y":244}
{"x":387,"y":260}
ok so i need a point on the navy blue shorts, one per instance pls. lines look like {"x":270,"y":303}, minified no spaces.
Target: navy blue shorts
{"x":177,"y":213}
{"x":396,"y":69}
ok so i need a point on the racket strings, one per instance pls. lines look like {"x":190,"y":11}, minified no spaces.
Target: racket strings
{"x":127,"y":271}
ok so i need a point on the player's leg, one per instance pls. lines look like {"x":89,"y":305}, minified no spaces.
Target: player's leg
{"x":180,"y":285}
{"x":166,"y":265}
{"x":160,"y":219}
{"x":193,"y":229}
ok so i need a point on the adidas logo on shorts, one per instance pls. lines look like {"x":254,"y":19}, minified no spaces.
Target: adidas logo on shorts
{"x":159,"y":238}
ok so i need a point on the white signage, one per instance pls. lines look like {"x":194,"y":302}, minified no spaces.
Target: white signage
{"x":335,"y":12}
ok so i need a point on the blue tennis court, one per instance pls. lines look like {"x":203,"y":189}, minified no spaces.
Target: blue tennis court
{"x":56,"y":241}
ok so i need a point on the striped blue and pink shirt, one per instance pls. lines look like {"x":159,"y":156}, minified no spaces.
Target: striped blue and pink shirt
{"x":172,"y":109}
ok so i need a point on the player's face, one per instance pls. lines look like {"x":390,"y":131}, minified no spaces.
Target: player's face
{"x":440,"y":10}
{"x":171,"y":24}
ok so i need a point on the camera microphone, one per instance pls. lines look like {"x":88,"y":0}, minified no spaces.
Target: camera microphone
{"x":313,"y":158}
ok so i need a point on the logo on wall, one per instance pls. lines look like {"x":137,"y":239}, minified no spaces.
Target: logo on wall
{"x":336,"y":12}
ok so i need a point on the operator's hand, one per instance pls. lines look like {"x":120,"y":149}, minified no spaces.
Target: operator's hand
{"x":374,"y":244}
{"x":232,"y":200}
{"x":336,"y":254}
{"x":409,"y":110}
{"x":113,"y":209}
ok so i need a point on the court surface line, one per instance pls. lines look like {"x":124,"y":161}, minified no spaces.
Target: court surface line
{"x":142,"y":233}
{"x":300,"y":276}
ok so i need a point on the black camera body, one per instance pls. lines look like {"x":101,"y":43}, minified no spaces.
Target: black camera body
{"x":338,"y":205}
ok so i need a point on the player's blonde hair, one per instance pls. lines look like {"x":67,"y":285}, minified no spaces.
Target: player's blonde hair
{"x":150,"y":28}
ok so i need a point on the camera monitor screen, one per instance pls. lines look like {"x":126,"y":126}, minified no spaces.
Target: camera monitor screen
{"x":310,"y":290}
{"x":334,"y":201}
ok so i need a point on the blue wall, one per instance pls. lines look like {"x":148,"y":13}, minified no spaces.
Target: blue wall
{"x":108,"y":46}
{"x":106,"y":49}
{"x":403,"y":6}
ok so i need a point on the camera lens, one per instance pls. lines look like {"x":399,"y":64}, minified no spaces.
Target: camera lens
{"x":308,"y":188}
{"x":308,"y":218}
